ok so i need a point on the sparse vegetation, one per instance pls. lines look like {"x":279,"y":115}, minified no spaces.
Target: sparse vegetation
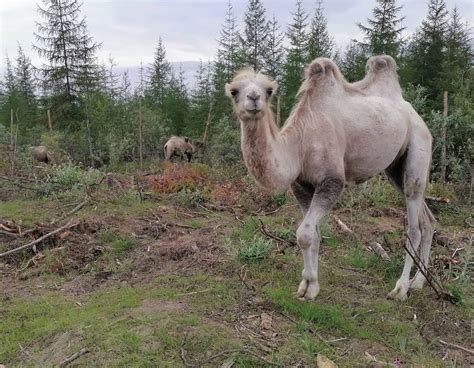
{"x":148,"y":272}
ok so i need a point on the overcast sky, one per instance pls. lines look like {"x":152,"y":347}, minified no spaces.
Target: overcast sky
{"x":129,"y":29}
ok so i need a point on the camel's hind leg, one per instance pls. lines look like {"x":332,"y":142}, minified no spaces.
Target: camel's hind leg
{"x":415,"y":173}
{"x":427,"y":222}
{"x":315,"y":203}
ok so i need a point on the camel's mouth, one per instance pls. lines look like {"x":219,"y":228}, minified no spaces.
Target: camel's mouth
{"x":253,"y":111}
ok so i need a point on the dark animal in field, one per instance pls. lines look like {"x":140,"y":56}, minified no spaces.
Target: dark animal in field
{"x":179,"y":146}
{"x":338,"y":133}
{"x":42,"y":154}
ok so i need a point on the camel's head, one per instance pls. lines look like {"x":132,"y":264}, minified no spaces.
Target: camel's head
{"x":251,"y":93}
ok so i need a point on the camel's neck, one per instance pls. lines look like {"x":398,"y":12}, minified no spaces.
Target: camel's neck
{"x":271,"y":158}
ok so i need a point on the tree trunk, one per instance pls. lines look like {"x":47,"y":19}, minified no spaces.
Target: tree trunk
{"x":140,"y":135}
{"x":50,"y":124}
{"x":11,"y":130}
{"x":208,"y":122}
{"x":443,"y":139}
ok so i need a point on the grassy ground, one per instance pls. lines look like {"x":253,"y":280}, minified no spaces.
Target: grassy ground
{"x":160,"y":274}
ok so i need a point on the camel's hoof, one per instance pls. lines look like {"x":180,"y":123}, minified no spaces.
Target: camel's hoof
{"x":399,"y":293}
{"x":308,"y":290}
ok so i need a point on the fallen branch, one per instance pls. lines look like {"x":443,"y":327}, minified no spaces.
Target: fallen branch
{"x":438,"y":199}
{"x":241,"y":351}
{"x":358,"y":314}
{"x":73,"y":357}
{"x":73,"y":211}
{"x":4,"y":232}
{"x":69,"y":225}
{"x":336,"y":340}
{"x":242,"y":279}
{"x":377,"y":248}
{"x":370,"y":358}
{"x":343,"y":226}
{"x":265,"y":232}
{"x":435,"y":285}
{"x":181,"y":225}
{"x":16,"y":182}
{"x":469,"y":351}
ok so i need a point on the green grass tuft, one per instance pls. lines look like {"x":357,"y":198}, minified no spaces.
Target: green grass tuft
{"x":253,"y":250}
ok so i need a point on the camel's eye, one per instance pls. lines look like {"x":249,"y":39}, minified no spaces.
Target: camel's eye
{"x":269,"y":92}
{"x":234,"y":92}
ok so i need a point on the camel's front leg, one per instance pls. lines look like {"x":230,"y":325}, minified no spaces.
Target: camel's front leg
{"x":307,"y":235}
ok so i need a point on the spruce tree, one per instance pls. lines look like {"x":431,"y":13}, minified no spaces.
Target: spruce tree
{"x":353,"y":63}
{"x":228,"y":47}
{"x":296,"y":58}
{"x":159,"y":76}
{"x":175,"y":106}
{"x":320,"y":44}
{"x":200,"y":100}
{"x":274,"y":58}
{"x":254,"y":40}
{"x":25,"y":77}
{"x":427,"y":51}
{"x":383,"y":32}
{"x":63,"y":40}
{"x":10,"y":95}
{"x":228,"y":61}
{"x":25,"y":84}
{"x":458,"y":54}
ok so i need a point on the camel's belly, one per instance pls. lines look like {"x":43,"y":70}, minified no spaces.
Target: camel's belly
{"x":371,"y":153}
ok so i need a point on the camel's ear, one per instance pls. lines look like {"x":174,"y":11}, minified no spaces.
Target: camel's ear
{"x":228,"y":90}
{"x":272,"y":89}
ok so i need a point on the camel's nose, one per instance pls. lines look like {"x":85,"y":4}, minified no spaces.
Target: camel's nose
{"x":254,"y":96}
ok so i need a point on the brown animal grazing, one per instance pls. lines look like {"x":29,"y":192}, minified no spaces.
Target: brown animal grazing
{"x":179,"y":146}
{"x":337,"y":133}
{"x":41,"y":154}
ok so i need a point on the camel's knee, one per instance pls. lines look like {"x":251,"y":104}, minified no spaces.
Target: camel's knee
{"x":413,"y":187}
{"x":306,"y":235}
{"x":414,"y":237}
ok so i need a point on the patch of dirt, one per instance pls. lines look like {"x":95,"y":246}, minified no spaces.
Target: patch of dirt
{"x":177,"y":249}
{"x":152,"y":306}
{"x":51,"y":350}
{"x":373,"y":348}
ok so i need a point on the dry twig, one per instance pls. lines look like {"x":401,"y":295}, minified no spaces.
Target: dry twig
{"x":265,"y":232}
{"x":73,"y":211}
{"x":73,"y":357}
{"x":435,"y":285}
{"x":69,"y":225}
{"x":377,"y":248}
{"x":343,"y":226}
{"x":469,"y":351}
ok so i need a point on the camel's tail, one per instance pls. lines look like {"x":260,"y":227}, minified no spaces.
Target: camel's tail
{"x":164,"y":151}
{"x":426,"y":213}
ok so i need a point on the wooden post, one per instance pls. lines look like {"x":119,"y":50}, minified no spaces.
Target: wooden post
{"x":50,"y":124}
{"x":140,"y":134}
{"x":443,"y":138}
{"x":208,"y":122}
{"x":278,"y":111}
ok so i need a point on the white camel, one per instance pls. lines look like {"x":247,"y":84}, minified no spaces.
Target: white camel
{"x":336,"y":134}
